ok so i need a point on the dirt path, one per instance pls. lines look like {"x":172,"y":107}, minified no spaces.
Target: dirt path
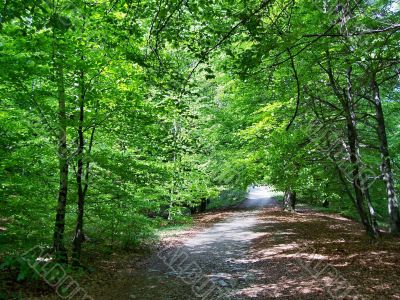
{"x":212,"y":264}
{"x":260,"y":252}
{"x":215,"y":263}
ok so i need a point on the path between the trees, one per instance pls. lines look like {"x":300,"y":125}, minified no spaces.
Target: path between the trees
{"x":260,"y":252}
{"x":212,"y":263}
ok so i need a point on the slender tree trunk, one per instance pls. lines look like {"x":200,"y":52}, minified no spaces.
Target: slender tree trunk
{"x":79,"y":235}
{"x":58,"y":240}
{"x":372,"y":213}
{"x":175,"y":132}
{"x":386,"y":167}
{"x":346,"y":100}
{"x":89,"y":151}
{"x":357,"y":176}
{"x":82,"y":171}
{"x":289,"y":201}
{"x":203,"y":205}
{"x":361,"y":190}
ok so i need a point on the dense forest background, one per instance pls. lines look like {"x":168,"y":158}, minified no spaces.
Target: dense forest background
{"x":119,"y":117}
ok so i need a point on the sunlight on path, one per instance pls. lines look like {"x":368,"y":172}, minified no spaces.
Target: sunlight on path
{"x":259,"y":196}
{"x":221,"y":252}
{"x":237,"y":228}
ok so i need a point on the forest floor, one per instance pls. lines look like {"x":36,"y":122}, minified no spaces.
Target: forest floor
{"x":256,"y":252}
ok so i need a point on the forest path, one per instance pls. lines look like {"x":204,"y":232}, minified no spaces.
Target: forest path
{"x":260,"y":252}
{"x":212,"y":263}
{"x":255,"y":252}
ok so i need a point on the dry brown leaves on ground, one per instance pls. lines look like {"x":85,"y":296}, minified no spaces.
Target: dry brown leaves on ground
{"x":314,"y":255}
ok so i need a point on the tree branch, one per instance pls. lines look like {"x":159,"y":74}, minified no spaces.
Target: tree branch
{"x":395,"y":27}
{"x":297,"y":87}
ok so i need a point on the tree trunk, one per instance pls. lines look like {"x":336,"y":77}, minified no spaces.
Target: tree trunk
{"x":289,"y":201}
{"x":372,"y":213}
{"x":346,"y":100}
{"x":79,"y":235}
{"x":386,"y":168}
{"x":175,"y":132}
{"x":58,"y":239}
{"x":203,"y":205}
{"x":357,"y":177}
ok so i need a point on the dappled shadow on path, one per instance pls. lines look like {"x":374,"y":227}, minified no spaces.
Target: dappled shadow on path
{"x":316,"y":256}
{"x":265,"y":254}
